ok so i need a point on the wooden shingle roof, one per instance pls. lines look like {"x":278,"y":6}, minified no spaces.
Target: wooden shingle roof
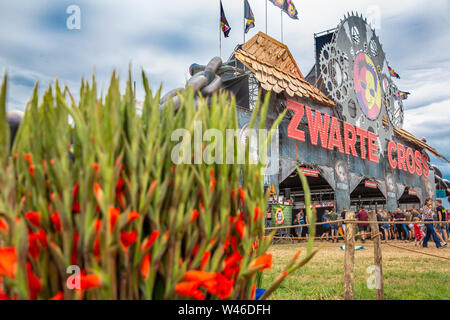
{"x":276,"y":70}
{"x":406,"y":135}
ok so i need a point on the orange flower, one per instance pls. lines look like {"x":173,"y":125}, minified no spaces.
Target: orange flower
{"x":199,"y":276}
{"x":3,"y":226}
{"x":252,"y":297}
{"x":56,"y":221}
{"x":149,"y":243}
{"x":113,"y":216}
{"x":214,"y":282}
{"x":58,"y":296}
{"x":145,"y":267}
{"x":28,"y":158}
{"x":31,"y":169}
{"x":194,"y":215}
{"x":205,"y":259}
{"x":213,"y":181}
{"x":95,"y":166}
{"x":90,"y":281}
{"x":34,"y":218}
{"x":97,"y":190}
{"x":133,"y":215}
{"x":8,"y":262}
{"x":34,"y":283}
{"x":264,"y":262}
{"x":190,"y":289}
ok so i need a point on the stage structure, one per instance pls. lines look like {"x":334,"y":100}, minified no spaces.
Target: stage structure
{"x":344,"y":124}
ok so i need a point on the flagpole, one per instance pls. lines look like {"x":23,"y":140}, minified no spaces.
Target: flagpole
{"x":281,"y":11}
{"x":266,"y":16}
{"x":243,"y":1}
{"x":220,"y":30}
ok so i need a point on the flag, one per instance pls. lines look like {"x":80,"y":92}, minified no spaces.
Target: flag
{"x":290,"y":9}
{"x":287,"y":6}
{"x":393,"y":73}
{"x":224,"y":23}
{"x":403,"y":95}
{"x":249,"y":17}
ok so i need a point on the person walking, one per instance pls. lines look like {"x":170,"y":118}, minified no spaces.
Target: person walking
{"x":363,"y":216}
{"x":334,"y":226}
{"x":428,"y":217}
{"x":326,"y":226}
{"x":386,"y":226}
{"x":441,"y":227}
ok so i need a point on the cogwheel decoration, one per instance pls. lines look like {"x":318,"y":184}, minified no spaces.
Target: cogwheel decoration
{"x":355,"y":74}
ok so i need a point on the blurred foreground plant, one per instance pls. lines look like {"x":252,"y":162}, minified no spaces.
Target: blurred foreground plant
{"x":91,"y":185}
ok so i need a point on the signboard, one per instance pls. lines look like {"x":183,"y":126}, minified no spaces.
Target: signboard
{"x":310,"y":172}
{"x":440,"y":194}
{"x":412,"y":192}
{"x":281,"y":215}
{"x":370,"y":184}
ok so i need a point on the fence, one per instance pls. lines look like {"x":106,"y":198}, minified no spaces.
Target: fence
{"x":349,"y":259}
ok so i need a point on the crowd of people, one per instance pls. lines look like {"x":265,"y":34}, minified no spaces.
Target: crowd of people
{"x":401,"y":225}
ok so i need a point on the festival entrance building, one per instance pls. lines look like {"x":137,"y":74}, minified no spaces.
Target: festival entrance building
{"x":344,"y":127}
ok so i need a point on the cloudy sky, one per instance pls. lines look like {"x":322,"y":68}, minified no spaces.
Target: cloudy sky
{"x":165,"y":37}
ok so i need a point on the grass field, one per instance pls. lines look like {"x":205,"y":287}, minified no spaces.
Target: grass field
{"x":407,"y":275}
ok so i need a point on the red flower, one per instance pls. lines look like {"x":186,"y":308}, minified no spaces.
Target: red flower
{"x":213,"y":181}
{"x":97,"y":253}
{"x":56,"y":221}
{"x":149,"y":242}
{"x":145,"y":267}
{"x":34,"y":283}
{"x":34,"y":218}
{"x":28,"y":158}
{"x":190,"y":289}
{"x":95,"y":166}
{"x":97,"y":225}
{"x":256,"y":214}
{"x":194,"y":215}
{"x":58,"y":296}
{"x":8,"y":262}
{"x":75,"y":190}
{"x":215,"y":282}
{"x":133,"y":215}
{"x":240,"y":226}
{"x":264,"y":262}
{"x":76,"y":208}
{"x":97,"y":190}
{"x":90,"y":281}
{"x":3,"y":226}
{"x":74,"y":258}
{"x":113,"y":216}
{"x":42,"y":236}
{"x":205,"y":259}
{"x":241,"y":194}
{"x":31,"y":169}
{"x":33,"y":245}
{"x":232,"y":265}
{"x":128,"y":238}
{"x":252,"y":297}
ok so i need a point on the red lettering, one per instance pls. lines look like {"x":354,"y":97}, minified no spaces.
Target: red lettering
{"x":426,"y":168}
{"x":401,"y":157}
{"x":350,"y":142}
{"x":418,"y":159}
{"x":363,"y":134}
{"x":410,"y":164}
{"x":392,"y":147}
{"x":292,"y":130}
{"x":318,"y":127}
{"x":335,"y":140}
{"x":372,"y":146}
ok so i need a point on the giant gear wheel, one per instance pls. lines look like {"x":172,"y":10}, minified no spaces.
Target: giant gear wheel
{"x":355,"y":73}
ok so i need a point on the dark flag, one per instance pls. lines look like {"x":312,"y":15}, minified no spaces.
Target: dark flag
{"x":287,"y":6}
{"x":223,"y":20}
{"x":290,"y":9}
{"x":393,"y":73}
{"x":402,"y":95}
{"x":249,"y":17}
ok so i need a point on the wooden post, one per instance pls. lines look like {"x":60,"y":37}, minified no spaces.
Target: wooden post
{"x":349,"y":263}
{"x":376,"y":236}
